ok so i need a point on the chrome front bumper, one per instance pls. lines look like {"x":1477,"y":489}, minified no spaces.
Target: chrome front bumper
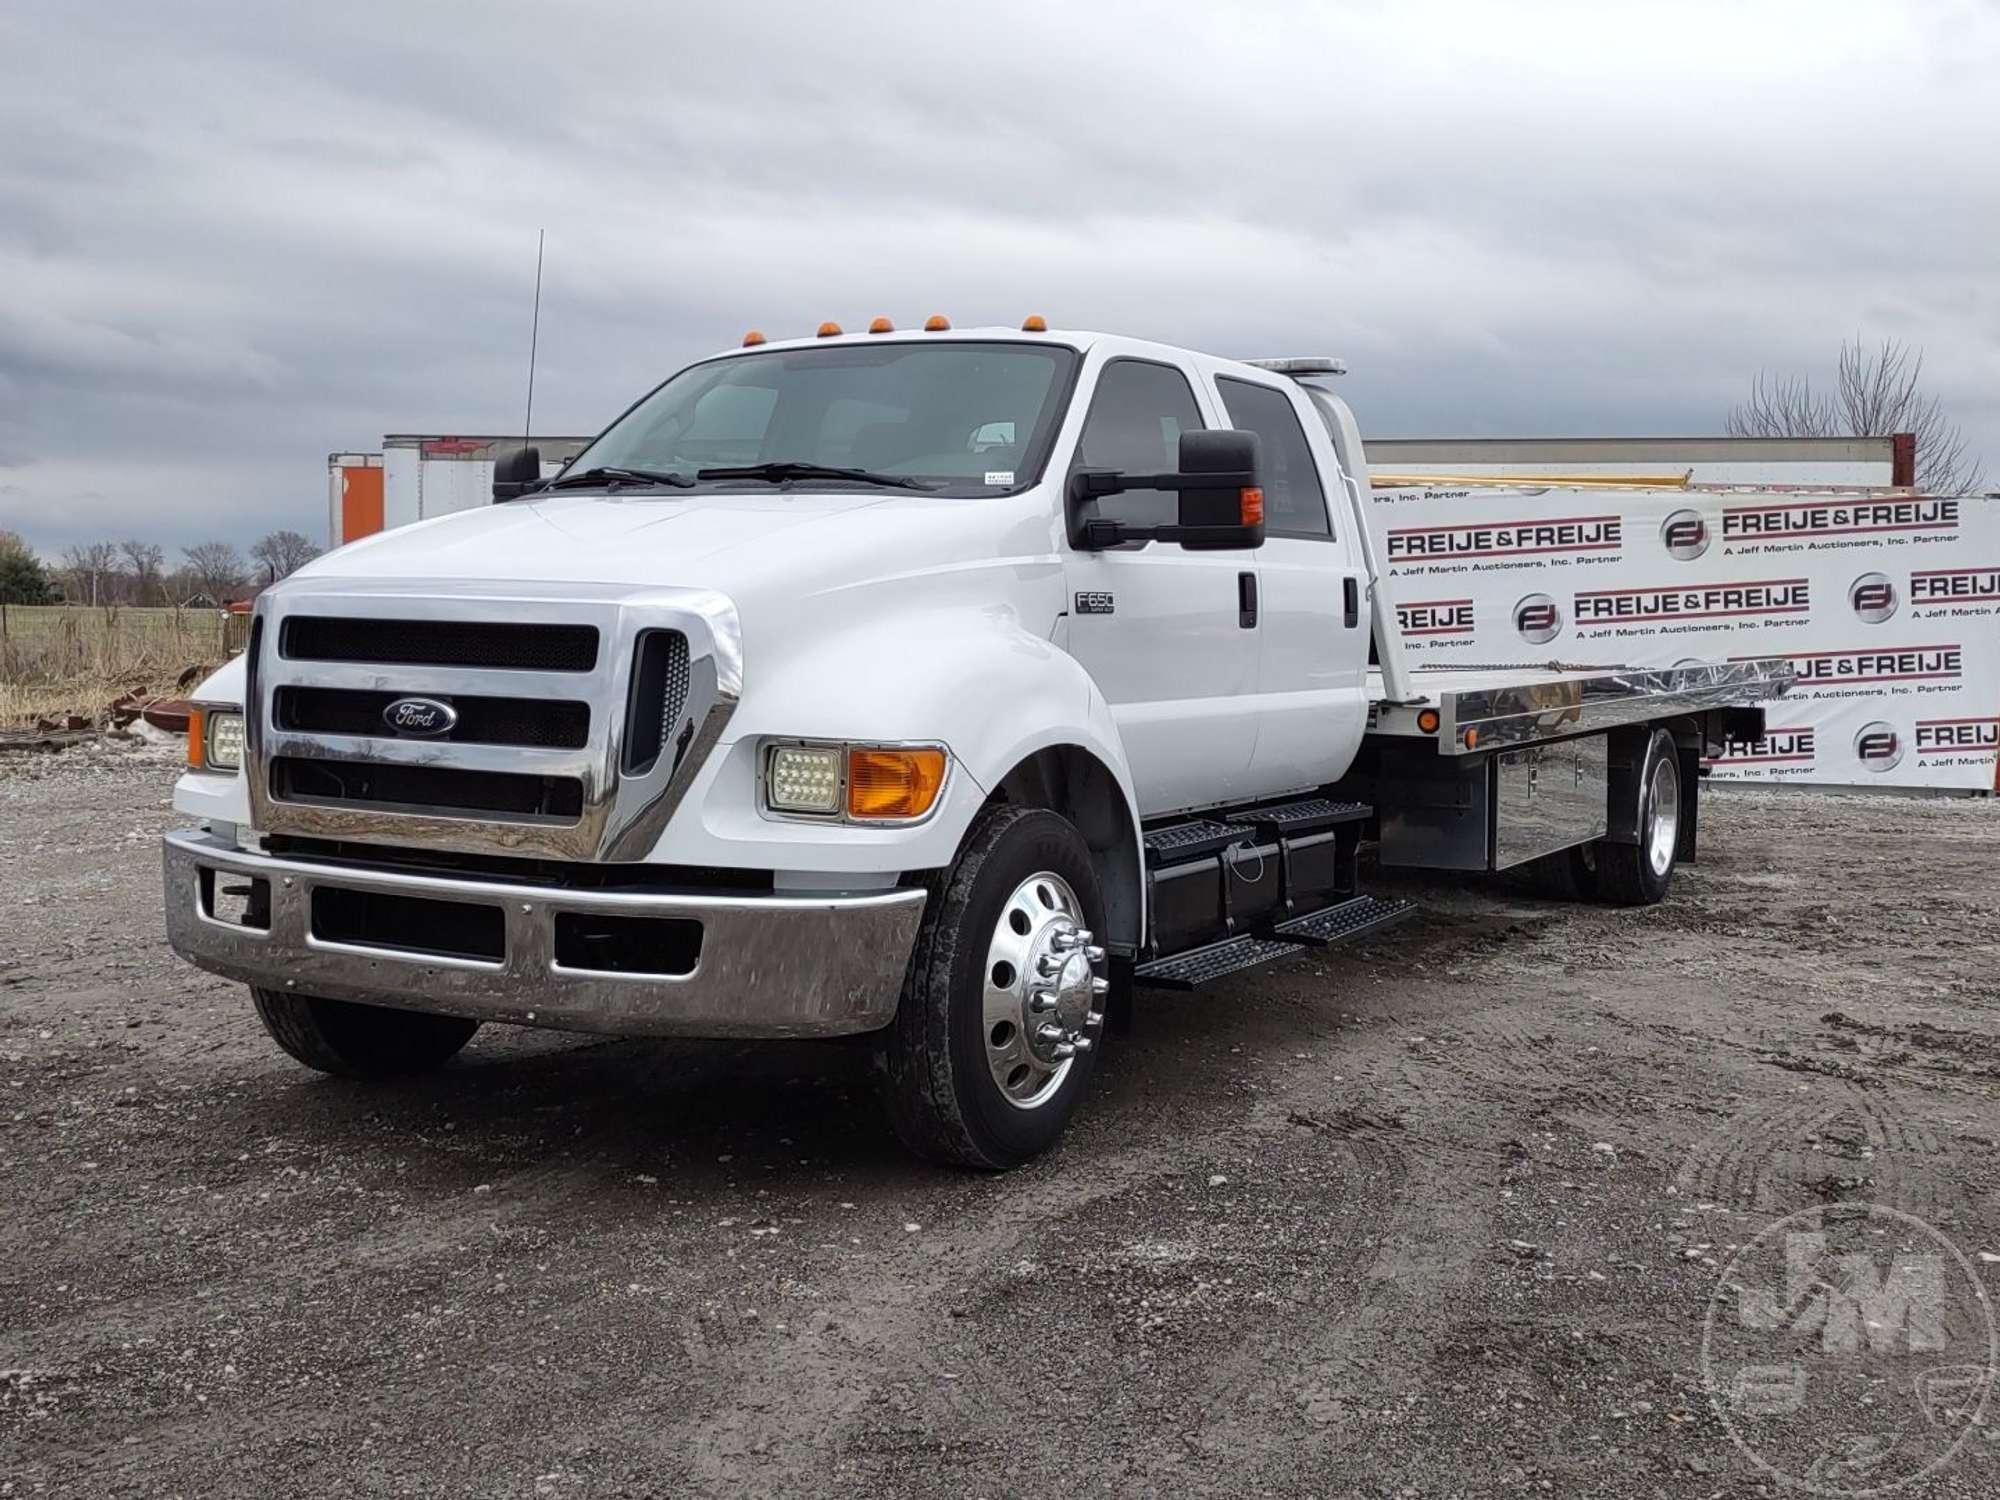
{"x":769,"y":966}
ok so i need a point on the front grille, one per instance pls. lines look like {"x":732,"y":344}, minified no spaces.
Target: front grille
{"x":542,"y":723}
{"x":424,"y":789}
{"x":659,"y":694}
{"x":440,"y":643}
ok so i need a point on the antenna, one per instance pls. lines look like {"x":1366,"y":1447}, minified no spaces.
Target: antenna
{"x":534,"y":340}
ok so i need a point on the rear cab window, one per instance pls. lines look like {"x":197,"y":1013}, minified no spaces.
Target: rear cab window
{"x":1294,"y":501}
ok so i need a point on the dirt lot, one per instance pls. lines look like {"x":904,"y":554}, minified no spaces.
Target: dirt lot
{"x":1437,"y":1215}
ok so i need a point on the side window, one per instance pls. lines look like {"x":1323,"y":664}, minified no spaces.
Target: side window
{"x":1136,"y":420}
{"x":1294,"y":504}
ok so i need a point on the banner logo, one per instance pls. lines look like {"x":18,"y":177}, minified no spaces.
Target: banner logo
{"x":1794,"y":746}
{"x":1435,"y":617}
{"x":1959,"y":736}
{"x":1954,"y":585}
{"x":1538,"y":619}
{"x":1765,"y":597}
{"x":1897,"y":664}
{"x":1878,"y":747}
{"x":1507,"y":538}
{"x":1760,"y":523}
{"x":1685,"y":535}
{"x":1873,"y":597}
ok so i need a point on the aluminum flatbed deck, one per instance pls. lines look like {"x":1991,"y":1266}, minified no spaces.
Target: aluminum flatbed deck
{"x":1488,"y":708}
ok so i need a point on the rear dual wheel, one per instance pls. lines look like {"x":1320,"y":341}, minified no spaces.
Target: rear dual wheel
{"x":1639,"y":874}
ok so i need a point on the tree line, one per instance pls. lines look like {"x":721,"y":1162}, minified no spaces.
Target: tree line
{"x":137,"y":573}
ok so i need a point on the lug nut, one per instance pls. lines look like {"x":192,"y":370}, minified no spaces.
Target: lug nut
{"x":1100,"y":986}
{"x":1080,"y":1044}
{"x":1094,"y":954}
{"x":1042,"y":1002}
{"x":1070,"y":941}
{"x":1049,"y":1033}
{"x":1067,"y":1049}
{"x":1094,"y":1020}
{"x":1048,"y":966}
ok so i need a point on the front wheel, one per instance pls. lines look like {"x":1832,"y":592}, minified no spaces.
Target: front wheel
{"x":1001,"y":1018}
{"x":359,"y":1041}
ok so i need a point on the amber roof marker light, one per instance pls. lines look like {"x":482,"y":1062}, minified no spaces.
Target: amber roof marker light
{"x":829,"y":330}
{"x":752,"y":339}
{"x":1034,"y":323}
{"x":937,"y":323}
{"x":881,"y":325}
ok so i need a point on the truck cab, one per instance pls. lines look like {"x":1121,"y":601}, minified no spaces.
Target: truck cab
{"x":933,"y":685}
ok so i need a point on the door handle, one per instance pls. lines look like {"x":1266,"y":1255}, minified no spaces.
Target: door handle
{"x":1246,"y":600}
{"x":1350,"y":594}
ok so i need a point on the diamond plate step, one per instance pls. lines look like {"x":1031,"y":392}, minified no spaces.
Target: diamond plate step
{"x":1170,"y":845}
{"x":1304,"y":817}
{"x":1345,"y":922}
{"x":1200,"y":966}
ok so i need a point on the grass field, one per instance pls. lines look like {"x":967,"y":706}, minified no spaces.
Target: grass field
{"x":59,"y":659}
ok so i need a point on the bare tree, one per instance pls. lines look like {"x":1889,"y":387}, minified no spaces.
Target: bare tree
{"x":89,"y":571}
{"x":282,"y":553}
{"x":144,"y":562}
{"x":215,"y":569}
{"x":1876,"y":392}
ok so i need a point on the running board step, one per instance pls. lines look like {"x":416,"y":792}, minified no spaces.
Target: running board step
{"x":1199,"y":966}
{"x":1308,"y":816}
{"x":1343,"y":923}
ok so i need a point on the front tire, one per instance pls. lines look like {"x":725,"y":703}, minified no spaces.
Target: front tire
{"x":1001,"y":1018}
{"x":359,"y":1041}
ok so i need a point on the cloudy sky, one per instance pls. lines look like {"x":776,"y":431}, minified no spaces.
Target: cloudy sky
{"x":235,"y":236}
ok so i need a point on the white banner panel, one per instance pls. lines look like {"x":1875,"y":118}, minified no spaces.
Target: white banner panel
{"x":1887,"y":605}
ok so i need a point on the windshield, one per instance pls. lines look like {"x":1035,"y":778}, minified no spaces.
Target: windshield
{"x":964,"y":418}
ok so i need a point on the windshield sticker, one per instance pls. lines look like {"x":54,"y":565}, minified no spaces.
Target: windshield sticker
{"x":999,"y":476}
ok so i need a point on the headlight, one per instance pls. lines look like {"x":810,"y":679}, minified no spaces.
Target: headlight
{"x":215,"y":740}
{"x":805,"y":778}
{"x":863,"y":783}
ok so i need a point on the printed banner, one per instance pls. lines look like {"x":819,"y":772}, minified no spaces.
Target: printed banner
{"x":1888,"y":606}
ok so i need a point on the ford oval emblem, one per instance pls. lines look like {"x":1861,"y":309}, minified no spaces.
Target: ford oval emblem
{"x":420,"y":716}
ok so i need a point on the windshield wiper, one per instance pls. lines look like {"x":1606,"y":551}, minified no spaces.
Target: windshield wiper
{"x":611,"y":478}
{"x":786,"y":469}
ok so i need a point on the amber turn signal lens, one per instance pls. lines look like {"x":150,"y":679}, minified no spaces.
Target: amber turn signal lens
{"x":1252,"y":500}
{"x":1427,"y":721}
{"x":197,"y":751}
{"x":893,"y":783}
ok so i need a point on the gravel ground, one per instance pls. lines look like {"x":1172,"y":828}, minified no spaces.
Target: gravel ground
{"x":1439,"y":1214}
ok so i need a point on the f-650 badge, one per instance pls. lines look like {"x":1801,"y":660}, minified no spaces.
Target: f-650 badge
{"x":1096,"y":604}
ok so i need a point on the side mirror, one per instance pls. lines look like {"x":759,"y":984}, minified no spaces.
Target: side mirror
{"x":1221,"y":505}
{"x":516,"y":474}
{"x":1227,"y":509}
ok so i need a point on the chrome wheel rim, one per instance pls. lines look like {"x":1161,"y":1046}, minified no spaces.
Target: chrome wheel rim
{"x":1040,"y":993}
{"x":1663,"y":813}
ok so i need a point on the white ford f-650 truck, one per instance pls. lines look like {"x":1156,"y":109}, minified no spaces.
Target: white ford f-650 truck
{"x":938,"y":685}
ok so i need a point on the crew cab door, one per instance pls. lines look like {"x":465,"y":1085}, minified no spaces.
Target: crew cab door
{"x":1164,"y":632}
{"x":1312,"y":667}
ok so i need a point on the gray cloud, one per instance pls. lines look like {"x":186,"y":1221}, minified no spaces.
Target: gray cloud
{"x":234,"y":237}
